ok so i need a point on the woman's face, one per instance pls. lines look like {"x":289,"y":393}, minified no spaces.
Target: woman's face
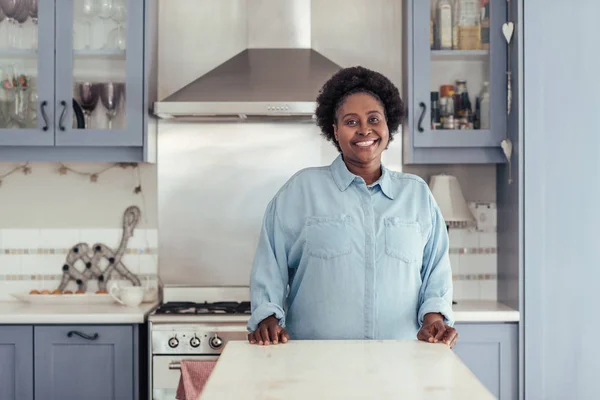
{"x":361,"y":129}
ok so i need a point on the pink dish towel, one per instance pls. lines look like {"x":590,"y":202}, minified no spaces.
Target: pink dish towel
{"x":194,"y":375}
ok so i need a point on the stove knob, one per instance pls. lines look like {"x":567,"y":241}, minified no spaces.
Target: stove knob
{"x":173,"y":342}
{"x":216,"y":342}
{"x":194,"y":342}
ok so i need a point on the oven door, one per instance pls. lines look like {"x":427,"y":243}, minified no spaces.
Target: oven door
{"x":166,"y":373}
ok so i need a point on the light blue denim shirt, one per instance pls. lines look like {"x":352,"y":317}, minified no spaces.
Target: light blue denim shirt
{"x":338,"y":259}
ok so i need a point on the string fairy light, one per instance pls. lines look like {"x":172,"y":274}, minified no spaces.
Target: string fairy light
{"x":64,"y":169}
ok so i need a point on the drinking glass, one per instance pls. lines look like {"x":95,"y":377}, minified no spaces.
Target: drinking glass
{"x":111,"y":94}
{"x":32,"y":6}
{"x":88,"y":96}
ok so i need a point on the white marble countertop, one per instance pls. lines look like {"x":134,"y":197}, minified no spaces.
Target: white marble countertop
{"x":483,"y":311}
{"x":342,"y":370}
{"x":16,"y":312}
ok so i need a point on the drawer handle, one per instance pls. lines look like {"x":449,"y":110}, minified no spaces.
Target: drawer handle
{"x":61,"y":124}
{"x":44,"y":115}
{"x":424,"y":108}
{"x":83,"y":335}
{"x":174,"y":365}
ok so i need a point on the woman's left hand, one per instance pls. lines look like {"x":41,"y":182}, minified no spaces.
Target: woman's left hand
{"x":435,"y":330}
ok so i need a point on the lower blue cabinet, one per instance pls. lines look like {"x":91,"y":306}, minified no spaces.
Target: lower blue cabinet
{"x":16,"y":362}
{"x":84,"y":362}
{"x":490,"y":351}
{"x":70,"y":362}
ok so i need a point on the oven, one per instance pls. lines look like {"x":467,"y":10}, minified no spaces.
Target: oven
{"x":175,"y":337}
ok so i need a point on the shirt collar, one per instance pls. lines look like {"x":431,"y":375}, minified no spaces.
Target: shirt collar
{"x":343,"y":177}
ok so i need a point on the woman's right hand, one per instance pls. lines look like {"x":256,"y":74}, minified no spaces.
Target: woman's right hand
{"x":269,"y":331}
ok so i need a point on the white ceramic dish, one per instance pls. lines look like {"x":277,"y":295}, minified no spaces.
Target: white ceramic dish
{"x":87,"y":298}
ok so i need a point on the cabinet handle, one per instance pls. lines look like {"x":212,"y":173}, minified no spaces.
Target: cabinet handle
{"x":62,"y":116}
{"x":174,"y":365}
{"x":44,"y":115}
{"x":424,"y":109}
{"x":83,"y":335}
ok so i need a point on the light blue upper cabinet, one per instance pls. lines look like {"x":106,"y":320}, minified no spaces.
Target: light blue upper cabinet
{"x":27,"y":77}
{"x":455,"y":81}
{"x":86,"y":78}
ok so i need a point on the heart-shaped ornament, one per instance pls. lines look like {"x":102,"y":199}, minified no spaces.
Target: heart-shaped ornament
{"x":508,"y":29}
{"x":507,"y":147}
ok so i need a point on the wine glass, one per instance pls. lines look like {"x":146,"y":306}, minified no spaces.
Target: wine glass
{"x":116,"y":37}
{"x":2,"y":35}
{"x":11,"y":9}
{"x":21,"y":18}
{"x":85,"y":11}
{"x":32,"y":6}
{"x":88,"y":94}
{"x":105,"y":9}
{"x":111,"y":94}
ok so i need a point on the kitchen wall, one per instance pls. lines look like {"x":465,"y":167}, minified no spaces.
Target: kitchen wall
{"x":44,"y":214}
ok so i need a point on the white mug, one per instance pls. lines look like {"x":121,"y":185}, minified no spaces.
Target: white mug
{"x":131,"y":296}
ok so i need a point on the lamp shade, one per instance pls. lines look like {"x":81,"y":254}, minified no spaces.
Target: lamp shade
{"x":448,"y":195}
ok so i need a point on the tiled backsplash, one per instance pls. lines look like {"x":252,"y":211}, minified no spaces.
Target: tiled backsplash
{"x":33,"y":258}
{"x":473,"y":256}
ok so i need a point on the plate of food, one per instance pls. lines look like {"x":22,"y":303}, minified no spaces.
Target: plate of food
{"x":66,"y":297}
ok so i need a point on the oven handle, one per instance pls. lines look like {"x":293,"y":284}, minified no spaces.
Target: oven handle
{"x":174,"y":365}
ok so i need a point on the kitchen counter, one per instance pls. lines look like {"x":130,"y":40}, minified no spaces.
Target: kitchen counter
{"x":15,"y":312}
{"x":484,"y":311}
{"x":342,"y":370}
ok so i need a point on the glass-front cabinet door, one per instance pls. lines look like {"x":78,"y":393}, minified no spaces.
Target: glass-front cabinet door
{"x":99,"y":76}
{"x":26,"y":72}
{"x":459,"y":73}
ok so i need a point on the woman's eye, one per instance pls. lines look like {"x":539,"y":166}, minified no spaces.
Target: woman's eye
{"x":374,"y":120}
{"x":351,"y":122}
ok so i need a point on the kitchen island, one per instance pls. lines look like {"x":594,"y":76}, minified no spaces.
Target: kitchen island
{"x":342,"y":370}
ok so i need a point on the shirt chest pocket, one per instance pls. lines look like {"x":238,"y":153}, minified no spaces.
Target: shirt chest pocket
{"x":328,"y":237}
{"x":403,"y":239}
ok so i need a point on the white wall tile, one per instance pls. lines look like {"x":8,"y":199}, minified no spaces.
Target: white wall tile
{"x":456,"y":238}
{"x":10,"y":264}
{"x":489,"y":290}
{"x":489,"y":264}
{"x":487,"y":239}
{"x":108,"y":237}
{"x":455,"y":263}
{"x":132,"y":262}
{"x":40,"y":264}
{"x":470,"y":238}
{"x":20,"y":238}
{"x":472,"y":289}
{"x":458,"y":290}
{"x":58,"y":238}
{"x":148,"y":264}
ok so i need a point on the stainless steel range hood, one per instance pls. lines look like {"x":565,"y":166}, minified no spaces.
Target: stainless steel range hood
{"x":258,"y":82}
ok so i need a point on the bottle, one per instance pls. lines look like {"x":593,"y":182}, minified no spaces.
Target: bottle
{"x":443,"y":111}
{"x":485,"y":24}
{"x":435,"y":110}
{"x":444,"y":24}
{"x":484,"y":106}
{"x":477,"y":115}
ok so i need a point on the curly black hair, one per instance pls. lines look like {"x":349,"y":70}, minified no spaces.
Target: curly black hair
{"x":353,"y":80}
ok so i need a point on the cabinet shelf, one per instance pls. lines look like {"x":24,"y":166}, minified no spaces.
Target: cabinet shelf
{"x":460,"y":55}
{"x":20,"y":53}
{"x":100,"y":53}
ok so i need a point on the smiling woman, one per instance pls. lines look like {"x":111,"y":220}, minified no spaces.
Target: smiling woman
{"x":353,"y":250}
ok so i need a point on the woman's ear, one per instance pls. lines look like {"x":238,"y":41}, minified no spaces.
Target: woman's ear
{"x":335,"y":134}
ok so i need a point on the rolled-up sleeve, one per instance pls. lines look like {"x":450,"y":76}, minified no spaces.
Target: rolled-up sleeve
{"x":436,"y":273}
{"x":269,"y":276}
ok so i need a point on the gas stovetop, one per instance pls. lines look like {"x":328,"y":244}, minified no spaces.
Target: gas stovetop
{"x":182,"y":308}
